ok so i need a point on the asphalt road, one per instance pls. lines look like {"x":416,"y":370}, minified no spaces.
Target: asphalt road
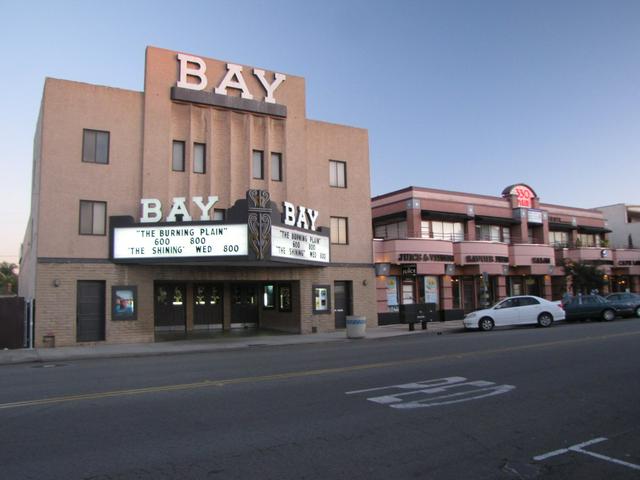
{"x":555,"y":403}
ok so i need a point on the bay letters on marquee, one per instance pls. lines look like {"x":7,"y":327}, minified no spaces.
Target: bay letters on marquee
{"x":196,"y":68}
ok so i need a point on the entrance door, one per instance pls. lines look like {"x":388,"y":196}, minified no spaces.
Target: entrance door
{"x":170,"y":307}
{"x":342,"y":303}
{"x":90,"y":320}
{"x":207,"y":306}
{"x":244,"y":306}
{"x":468,"y":294}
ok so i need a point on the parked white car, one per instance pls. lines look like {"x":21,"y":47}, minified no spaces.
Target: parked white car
{"x":521,"y":310}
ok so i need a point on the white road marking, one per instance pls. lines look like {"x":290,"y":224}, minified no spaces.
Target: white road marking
{"x":422,"y":394}
{"x":579,"y":448}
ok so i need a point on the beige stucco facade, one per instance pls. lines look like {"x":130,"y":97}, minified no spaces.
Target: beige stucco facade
{"x":142,"y":127}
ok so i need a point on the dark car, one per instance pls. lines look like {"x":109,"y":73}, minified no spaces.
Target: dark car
{"x":627,"y":303}
{"x":590,"y":306}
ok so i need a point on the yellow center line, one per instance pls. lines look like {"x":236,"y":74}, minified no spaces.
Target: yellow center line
{"x":299,"y":374}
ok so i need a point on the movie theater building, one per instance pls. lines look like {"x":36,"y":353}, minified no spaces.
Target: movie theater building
{"x":207,"y":202}
{"x":462,"y":251}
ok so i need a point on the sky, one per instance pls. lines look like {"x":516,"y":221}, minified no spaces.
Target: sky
{"x":469,"y":96}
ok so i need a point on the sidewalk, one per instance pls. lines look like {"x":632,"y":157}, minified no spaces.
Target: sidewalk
{"x":223,"y":342}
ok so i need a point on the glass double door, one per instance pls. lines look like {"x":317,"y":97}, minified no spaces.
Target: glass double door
{"x":244,"y":305}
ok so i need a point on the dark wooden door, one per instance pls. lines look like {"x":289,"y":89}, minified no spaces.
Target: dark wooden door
{"x":244,"y":305}
{"x":170,"y":306}
{"x":90,"y":316}
{"x":207,"y":304}
{"x":342,"y":303}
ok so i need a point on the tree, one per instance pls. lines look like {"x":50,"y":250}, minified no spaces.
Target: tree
{"x":584,"y":276}
{"x":8,"y":277}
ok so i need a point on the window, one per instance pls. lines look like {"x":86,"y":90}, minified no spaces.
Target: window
{"x":177,"y":161}
{"x":93,"y":217}
{"x":506,"y":234}
{"x":276,"y":167}
{"x":199,"y":158}
{"x":257,"y":168}
{"x":391,"y":231}
{"x":452,"y":231}
{"x":559,"y":239}
{"x":95,"y":146}
{"x":525,"y":301}
{"x":218,"y":215}
{"x":488,"y":233}
{"x":337,"y":174}
{"x":339,"y":230}
{"x":424,"y":229}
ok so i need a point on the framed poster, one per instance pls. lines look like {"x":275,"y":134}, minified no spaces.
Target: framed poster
{"x":124,"y":302}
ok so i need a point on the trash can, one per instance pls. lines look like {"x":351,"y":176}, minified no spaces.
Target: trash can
{"x":356,"y":326}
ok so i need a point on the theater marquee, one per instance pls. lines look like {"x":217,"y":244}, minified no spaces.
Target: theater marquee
{"x":254,"y":231}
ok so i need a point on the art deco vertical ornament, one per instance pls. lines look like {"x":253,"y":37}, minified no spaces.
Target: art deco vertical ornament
{"x":259,"y":221}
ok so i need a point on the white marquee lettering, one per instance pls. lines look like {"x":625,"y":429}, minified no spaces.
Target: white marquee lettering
{"x":211,"y":201}
{"x":302,"y":218}
{"x":179,"y":208}
{"x":151,"y":210}
{"x":234,"y":72}
{"x":186,"y":71}
{"x":313,"y":216}
{"x":269,"y":88}
{"x":289,"y":214}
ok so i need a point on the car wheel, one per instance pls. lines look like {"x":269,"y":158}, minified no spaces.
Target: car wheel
{"x":545,"y":319}
{"x":485,"y":324}
{"x":638,"y":311}
{"x":608,"y":315}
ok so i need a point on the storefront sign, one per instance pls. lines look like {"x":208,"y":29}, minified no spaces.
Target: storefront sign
{"x":424,"y":257}
{"x":486,"y":259}
{"x":410,"y":270}
{"x":194,"y":69}
{"x":179,"y":241}
{"x":534,"y":216}
{"x":524,"y":196}
{"x":627,"y":262}
{"x":540,"y":260}
{"x":296,"y":245}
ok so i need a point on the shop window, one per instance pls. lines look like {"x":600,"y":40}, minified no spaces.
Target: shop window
{"x":284,"y":298}
{"x":321,"y":299}
{"x":392,"y":293}
{"x":199,"y":158}
{"x":339,"y":230}
{"x":177,"y":158}
{"x":268,"y":297}
{"x":456,"y":293}
{"x":276,"y":167}
{"x":93,"y":217}
{"x":257,"y":167}
{"x":337,"y":174}
{"x":95,"y":146}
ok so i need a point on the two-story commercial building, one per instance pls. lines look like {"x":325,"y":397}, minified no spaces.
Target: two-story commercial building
{"x":206,"y":202}
{"x":462,"y":251}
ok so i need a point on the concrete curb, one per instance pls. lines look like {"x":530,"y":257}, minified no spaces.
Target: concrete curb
{"x":61,"y":354}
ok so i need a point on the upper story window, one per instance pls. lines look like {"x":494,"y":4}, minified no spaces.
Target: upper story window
{"x":589,"y":240}
{"x":276,"y":166}
{"x":425,"y":229}
{"x":337,"y":174}
{"x":199,"y":158}
{"x":488,"y":233}
{"x":257,"y":166}
{"x":559,"y":239}
{"x":177,"y":159}
{"x":93,"y":217}
{"x":390,"y":231}
{"x":451,"y":231}
{"x":95,"y":146}
{"x":339,"y":230}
